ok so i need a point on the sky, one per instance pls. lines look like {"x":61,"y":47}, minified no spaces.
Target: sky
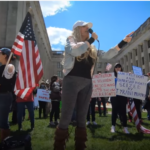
{"x":112,"y":20}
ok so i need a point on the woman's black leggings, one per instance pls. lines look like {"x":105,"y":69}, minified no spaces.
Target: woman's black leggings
{"x":119,"y":107}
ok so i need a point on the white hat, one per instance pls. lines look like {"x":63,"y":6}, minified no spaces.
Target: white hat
{"x":82,"y":23}
{"x":7,"y":74}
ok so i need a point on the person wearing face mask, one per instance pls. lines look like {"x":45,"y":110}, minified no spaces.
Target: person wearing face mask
{"x":119,"y":104}
{"x":42,"y":105}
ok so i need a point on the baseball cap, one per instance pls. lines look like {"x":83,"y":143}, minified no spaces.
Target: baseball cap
{"x":6,"y":51}
{"x":117,"y":65}
{"x":82,"y":23}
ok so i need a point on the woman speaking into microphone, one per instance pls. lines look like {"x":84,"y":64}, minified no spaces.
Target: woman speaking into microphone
{"x":79,"y":61}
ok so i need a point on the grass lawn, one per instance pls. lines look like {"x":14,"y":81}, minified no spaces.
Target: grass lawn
{"x":99,"y":138}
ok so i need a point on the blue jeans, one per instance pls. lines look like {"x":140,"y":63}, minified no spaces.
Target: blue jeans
{"x":5,"y":103}
{"x":20,"y":109}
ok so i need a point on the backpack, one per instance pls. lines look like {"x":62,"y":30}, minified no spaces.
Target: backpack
{"x":20,"y":142}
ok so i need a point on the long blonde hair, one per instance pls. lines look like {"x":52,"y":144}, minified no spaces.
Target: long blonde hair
{"x":92,"y":52}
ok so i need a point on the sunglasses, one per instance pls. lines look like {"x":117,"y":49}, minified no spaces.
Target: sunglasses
{"x":118,"y":66}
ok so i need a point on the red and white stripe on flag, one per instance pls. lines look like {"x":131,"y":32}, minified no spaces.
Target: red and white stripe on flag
{"x":30,"y":69}
{"x":18,"y":44}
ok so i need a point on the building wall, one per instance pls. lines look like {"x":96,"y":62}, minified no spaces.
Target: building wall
{"x":12,"y":15}
{"x":137,"y":52}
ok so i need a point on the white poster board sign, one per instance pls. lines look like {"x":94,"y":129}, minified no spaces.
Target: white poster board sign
{"x":131,"y":85}
{"x":36,"y":102}
{"x":103,"y":85}
{"x":43,"y":95}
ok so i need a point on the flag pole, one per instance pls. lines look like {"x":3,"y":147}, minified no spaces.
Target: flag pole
{"x":29,"y":10}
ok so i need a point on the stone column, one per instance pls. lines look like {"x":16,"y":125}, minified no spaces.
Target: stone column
{"x":133,"y":57}
{"x":139,"y":56}
{"x":129,"y":62}
{"x":11,"y":23}
{"x":124,"y":64}
{"x":145,"y":50}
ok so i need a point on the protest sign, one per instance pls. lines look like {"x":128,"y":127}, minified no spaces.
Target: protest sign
{"x":43,"y":95}
{"x":36,"y":103}
{"x":103,"y":85}
{"x":131,"y":85}
{"x":137,"y":70}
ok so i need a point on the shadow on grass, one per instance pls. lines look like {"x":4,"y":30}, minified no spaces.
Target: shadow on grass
{"x":119,"y":136}
{"x":93,"y":128}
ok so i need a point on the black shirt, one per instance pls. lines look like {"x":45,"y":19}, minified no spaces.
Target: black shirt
{"x":82,"y":68}
{"x":6,"y":85}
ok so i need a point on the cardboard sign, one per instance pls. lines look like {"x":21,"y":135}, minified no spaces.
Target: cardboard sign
{"x":104,"y":85}
{"x":137,"y":70}
{"x":43,"y":95}
{"x":131,"y":85}
{"x":36,"y":102}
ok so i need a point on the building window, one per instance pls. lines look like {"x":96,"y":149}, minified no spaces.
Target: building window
{"x":143,"y":71}
{"x":136,"y":63}
{"x":126,"y":58}
{"x":127,"y":68}
{"x":59,"y":65}
{"x":141,"y":48}
{"x":142,"y":60}
{"x":131,"y":55}
{"x":148,"y":43}
{"x":149,"y":56}
{"x":59,"y":73}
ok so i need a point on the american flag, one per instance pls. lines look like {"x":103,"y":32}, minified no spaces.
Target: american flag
{"x":30,"y":68}
{"x":108,"y":66}
{"x":133,"y":111}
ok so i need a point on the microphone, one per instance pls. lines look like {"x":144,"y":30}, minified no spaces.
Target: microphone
{"x":91,"y":31}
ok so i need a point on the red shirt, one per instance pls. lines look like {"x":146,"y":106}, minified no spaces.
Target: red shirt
{"x":29,"y":99}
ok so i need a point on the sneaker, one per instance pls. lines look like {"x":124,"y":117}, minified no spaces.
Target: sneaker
{"x":113,"y":129}
{"x":88,"y":122}
{"x":130,"y":120}
{"x":125,"y":129}
{"x":94,"y":123}
{"x":52,"y":123}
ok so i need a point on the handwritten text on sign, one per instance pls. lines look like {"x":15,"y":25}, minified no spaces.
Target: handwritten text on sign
{"x":43,"y":95}
{"x":131,"y":85}
{"x":104,"y":85}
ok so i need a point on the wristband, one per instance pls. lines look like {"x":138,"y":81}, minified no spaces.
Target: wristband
{"x":122,"y":43}
{"x":91,"y":40}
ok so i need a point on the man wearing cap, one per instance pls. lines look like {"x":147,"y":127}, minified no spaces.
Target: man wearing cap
{"x":7,"y":83}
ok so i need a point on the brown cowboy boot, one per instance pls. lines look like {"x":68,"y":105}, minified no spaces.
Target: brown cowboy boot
{"x":61,"y":135}
{"x":4,"y":134}
{"x":80,"y":138}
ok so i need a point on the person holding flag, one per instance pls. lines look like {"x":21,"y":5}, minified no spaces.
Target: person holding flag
{"x":7,"y":83}
{"x":30,"y":69}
